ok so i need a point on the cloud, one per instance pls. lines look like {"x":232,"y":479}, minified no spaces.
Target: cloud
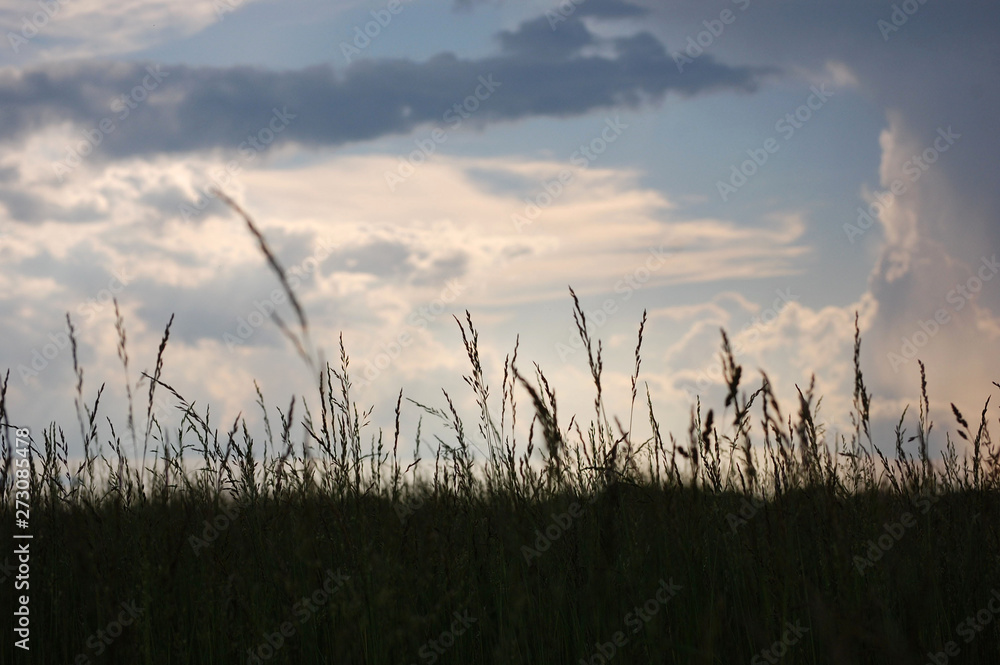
{"x":599,"y":8}
{"x":395,"y":253}
{"x":931,"y":68}
{"x":391,"y":257}
{"x":64,"y":29}
{"x":536,"y":38}
{"x":608,"y":9}
{"x":150,"y":109}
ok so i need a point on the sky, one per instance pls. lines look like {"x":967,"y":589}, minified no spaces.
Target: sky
{"x":773,"y":168}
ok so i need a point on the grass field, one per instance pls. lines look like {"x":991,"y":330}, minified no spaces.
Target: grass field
{"x":755,"y":538}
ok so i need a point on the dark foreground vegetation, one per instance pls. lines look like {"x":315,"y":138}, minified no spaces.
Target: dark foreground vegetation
{"x":758,"y":538}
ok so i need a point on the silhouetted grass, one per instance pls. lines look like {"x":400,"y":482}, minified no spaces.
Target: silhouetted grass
{"x":550,"y":550}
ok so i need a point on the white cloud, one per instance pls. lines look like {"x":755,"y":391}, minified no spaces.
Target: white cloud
{"x":397,"y":253}
{"x":63,"y":29}
{"x":599,"y":231}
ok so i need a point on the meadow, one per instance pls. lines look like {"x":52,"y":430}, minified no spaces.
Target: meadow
{"x":757,"y":537}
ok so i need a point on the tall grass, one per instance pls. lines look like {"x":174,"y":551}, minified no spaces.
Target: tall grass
{"x":548,"y":549}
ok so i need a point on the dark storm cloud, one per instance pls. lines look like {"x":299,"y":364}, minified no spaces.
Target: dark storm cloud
{"x":934,"y":66}
{"x":536,"y":38}
{"x":540,"y":72}
{"x":601,"y":8}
